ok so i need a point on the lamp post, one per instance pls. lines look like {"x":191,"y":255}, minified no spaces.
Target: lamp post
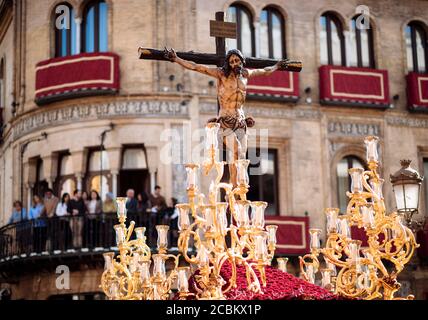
{"x":406,"y":184}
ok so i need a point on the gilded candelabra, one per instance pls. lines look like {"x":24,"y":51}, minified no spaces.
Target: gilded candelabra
{"x":128,"y":276}
{"x":237,"y":239}
{"x":352,"y":271}
{"x":204,"y":226}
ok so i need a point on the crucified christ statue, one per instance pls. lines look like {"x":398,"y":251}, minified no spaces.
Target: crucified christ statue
{"x":232,"y":79}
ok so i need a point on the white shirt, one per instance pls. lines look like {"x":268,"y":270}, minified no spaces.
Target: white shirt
{"x":92,"y":206}
{"x":61,"y":209}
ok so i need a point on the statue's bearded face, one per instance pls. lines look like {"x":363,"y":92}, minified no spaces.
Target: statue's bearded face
{"x":235,"y":63}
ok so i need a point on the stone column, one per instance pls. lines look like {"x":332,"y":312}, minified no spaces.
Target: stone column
{"x":257,"y":37}
{"x":114,"y":175}
{"x":79,"y":178}
{"x":50,"y":166}
{"x":78,"y":28}
{"x":30,"y":187}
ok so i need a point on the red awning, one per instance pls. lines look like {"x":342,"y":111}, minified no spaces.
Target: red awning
{"x":77,"y":75}
{"x":417,"y":91}
{"x":281,"y":85}
{"x":354,"y":86}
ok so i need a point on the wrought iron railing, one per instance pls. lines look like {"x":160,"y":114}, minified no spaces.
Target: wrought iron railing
{"x":71,"y":234}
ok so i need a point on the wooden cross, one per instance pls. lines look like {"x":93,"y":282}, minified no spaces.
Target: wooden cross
{"x":220,"y":30}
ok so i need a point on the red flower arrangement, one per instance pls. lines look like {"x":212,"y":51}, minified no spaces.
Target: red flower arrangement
{"x":279,"y":286}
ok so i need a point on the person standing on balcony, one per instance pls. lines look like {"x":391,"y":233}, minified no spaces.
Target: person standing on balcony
{"x":158,"y":204}
{"x":92,"y":225}
{"x":37,"y":213}
{"x":109,"y":219}
{"x":131,"y":206}
{"x":19,"y":216}
{"x":18,"y":213}
{"x":50,"y":201}
{"x":77,"y":209}
{"x":63,"y":239}
{"x":142,"y":205}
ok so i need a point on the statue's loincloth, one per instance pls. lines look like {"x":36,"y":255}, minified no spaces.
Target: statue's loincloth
{"x":233,"y":123}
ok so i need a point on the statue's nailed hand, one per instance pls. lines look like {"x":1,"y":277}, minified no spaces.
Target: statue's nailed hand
{"x":170,"y":54}
{"x":289,"y":65}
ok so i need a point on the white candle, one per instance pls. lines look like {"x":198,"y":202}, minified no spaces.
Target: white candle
{"x":162,"y":236}
{"x":139,"y":232}
{"x":121,"y":207}
{"x":331,"y":214}
{"x":120,"y":234}
{"x":271,"y":230}
{"x":182,"y":281}
{"x":260,"y":249}
{"x":159,"y":266}
{"x":371,"y":148}
{"x":258,"y":213}
{"x":356,"y":179}
{"x":183,"y":216}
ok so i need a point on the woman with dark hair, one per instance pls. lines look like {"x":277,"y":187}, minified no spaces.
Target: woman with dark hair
{"x":63,"y":239}
{"x":142,"y":205}
{"x":92,"y":225}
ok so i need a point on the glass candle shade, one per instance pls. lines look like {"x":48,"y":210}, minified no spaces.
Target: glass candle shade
{"x":120,"y":234}
{"x":367,"y":254}
{"x":377,"y":187}
{"x":191,"y":170}
{"x":114,"y":290}
{"x":282,"y":264}
{"x":260,"y":248}
{"x":183,"y":216}
{"x":371,"y":148}
{"x":211,"y":132}
{"x":222,"y":217}
{"x":242,"y":172}
{"x":356,"y":179}
{"x":108,"y":261}
{"x":271,"y":234}
{"x":242,"y":207}
{"x":121,"y":207}
{"x":139,"y":233}
{"x":133,"y":264}
{"x":310,"y":273}
{"x":203,"y":256}
{"x":209,"y":216}
{"x":367,"y":214}
{"x":258,"y":214}
{"x":182,"y":280}
{"x":144,"y":269}
{"x":354,"y":250}
{"x":326,"y":277}
{"x":344,"y":228}
{"x":315,"y":238}
{"x":331,"y":214}
{"x":159,"y":266}
{"x":332,"y":267}
{"x":162,"y":236}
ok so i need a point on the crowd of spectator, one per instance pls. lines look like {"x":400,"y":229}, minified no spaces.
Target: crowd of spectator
{"x":79,"y":220}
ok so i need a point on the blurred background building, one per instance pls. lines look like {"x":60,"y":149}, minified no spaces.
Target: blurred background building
{"x":79,"y":110}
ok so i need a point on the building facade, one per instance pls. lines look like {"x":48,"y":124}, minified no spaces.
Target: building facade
{"x":80,"y":110}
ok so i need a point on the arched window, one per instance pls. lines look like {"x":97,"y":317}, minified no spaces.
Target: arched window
{"x":65,"y":30}
{"x":361,"y":42}
{"x":98,"y":172}
{"x":245,"y":30}
{"x":416,"y":47}
{"x":344,"y":180}
{"x":332,"y":44}
{"x":272,"y":43}
{"x":95,"y":29}
{"x":66,"y":179}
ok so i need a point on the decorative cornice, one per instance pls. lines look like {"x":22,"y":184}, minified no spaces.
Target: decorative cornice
{"x":407,"y":122}
{"x":44,"y":118}
{"x":269,"y":112}
{"x":353,"y":129}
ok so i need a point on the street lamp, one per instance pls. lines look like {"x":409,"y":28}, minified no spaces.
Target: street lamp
{"x":406,"y":184}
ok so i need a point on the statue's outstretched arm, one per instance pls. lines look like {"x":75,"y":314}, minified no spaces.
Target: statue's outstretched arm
{"x":286,"y":65}
{"x":211,"y":71}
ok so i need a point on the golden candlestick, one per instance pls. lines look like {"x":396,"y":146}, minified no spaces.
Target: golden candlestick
{"x":364,"y":276}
